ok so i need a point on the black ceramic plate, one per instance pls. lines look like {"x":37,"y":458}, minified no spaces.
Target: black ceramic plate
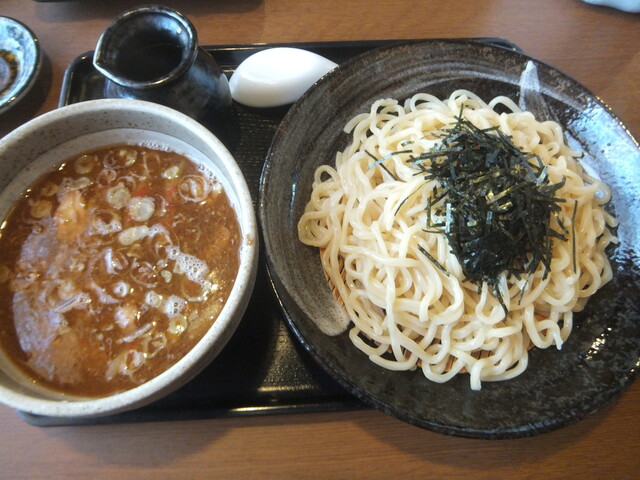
{"x":559,"y":387}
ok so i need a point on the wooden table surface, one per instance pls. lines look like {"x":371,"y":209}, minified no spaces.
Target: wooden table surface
{"x":597,"y":46}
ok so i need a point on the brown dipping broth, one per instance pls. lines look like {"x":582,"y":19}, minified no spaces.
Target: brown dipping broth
{"x":113,"y":267}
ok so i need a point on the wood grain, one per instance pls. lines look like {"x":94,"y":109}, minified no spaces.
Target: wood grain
{"x":596,"y":46}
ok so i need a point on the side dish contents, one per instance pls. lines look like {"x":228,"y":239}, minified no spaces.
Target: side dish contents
{"x":8,"y":70}
{"x":113,"y":266}
{"x":458,"y":234}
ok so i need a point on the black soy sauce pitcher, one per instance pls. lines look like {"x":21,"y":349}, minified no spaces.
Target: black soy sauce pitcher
{"x":151,"y":53}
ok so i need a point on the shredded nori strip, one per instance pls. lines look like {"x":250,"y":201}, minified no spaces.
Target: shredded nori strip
{"x":433,"y":260}
{"x":497,"y":200}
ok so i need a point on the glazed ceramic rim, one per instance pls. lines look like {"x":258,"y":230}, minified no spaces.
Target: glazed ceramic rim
{"x":116,"y":23}
{"x":25,"y":81}
{"x":224,"y":326}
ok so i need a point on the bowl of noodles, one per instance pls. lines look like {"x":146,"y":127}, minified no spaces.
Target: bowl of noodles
{"x":129,"y":247}
{"x":451,"y":229}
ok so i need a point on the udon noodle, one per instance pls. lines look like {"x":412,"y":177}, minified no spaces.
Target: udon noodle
{"x":406,"y":311}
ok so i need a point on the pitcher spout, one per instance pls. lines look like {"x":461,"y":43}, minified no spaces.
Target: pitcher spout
{"x":146,"y":46}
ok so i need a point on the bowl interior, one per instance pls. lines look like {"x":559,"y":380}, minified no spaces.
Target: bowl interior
{"x":43,"y":143}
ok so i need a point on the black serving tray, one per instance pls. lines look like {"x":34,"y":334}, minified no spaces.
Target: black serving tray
{"x":263,"y":369}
